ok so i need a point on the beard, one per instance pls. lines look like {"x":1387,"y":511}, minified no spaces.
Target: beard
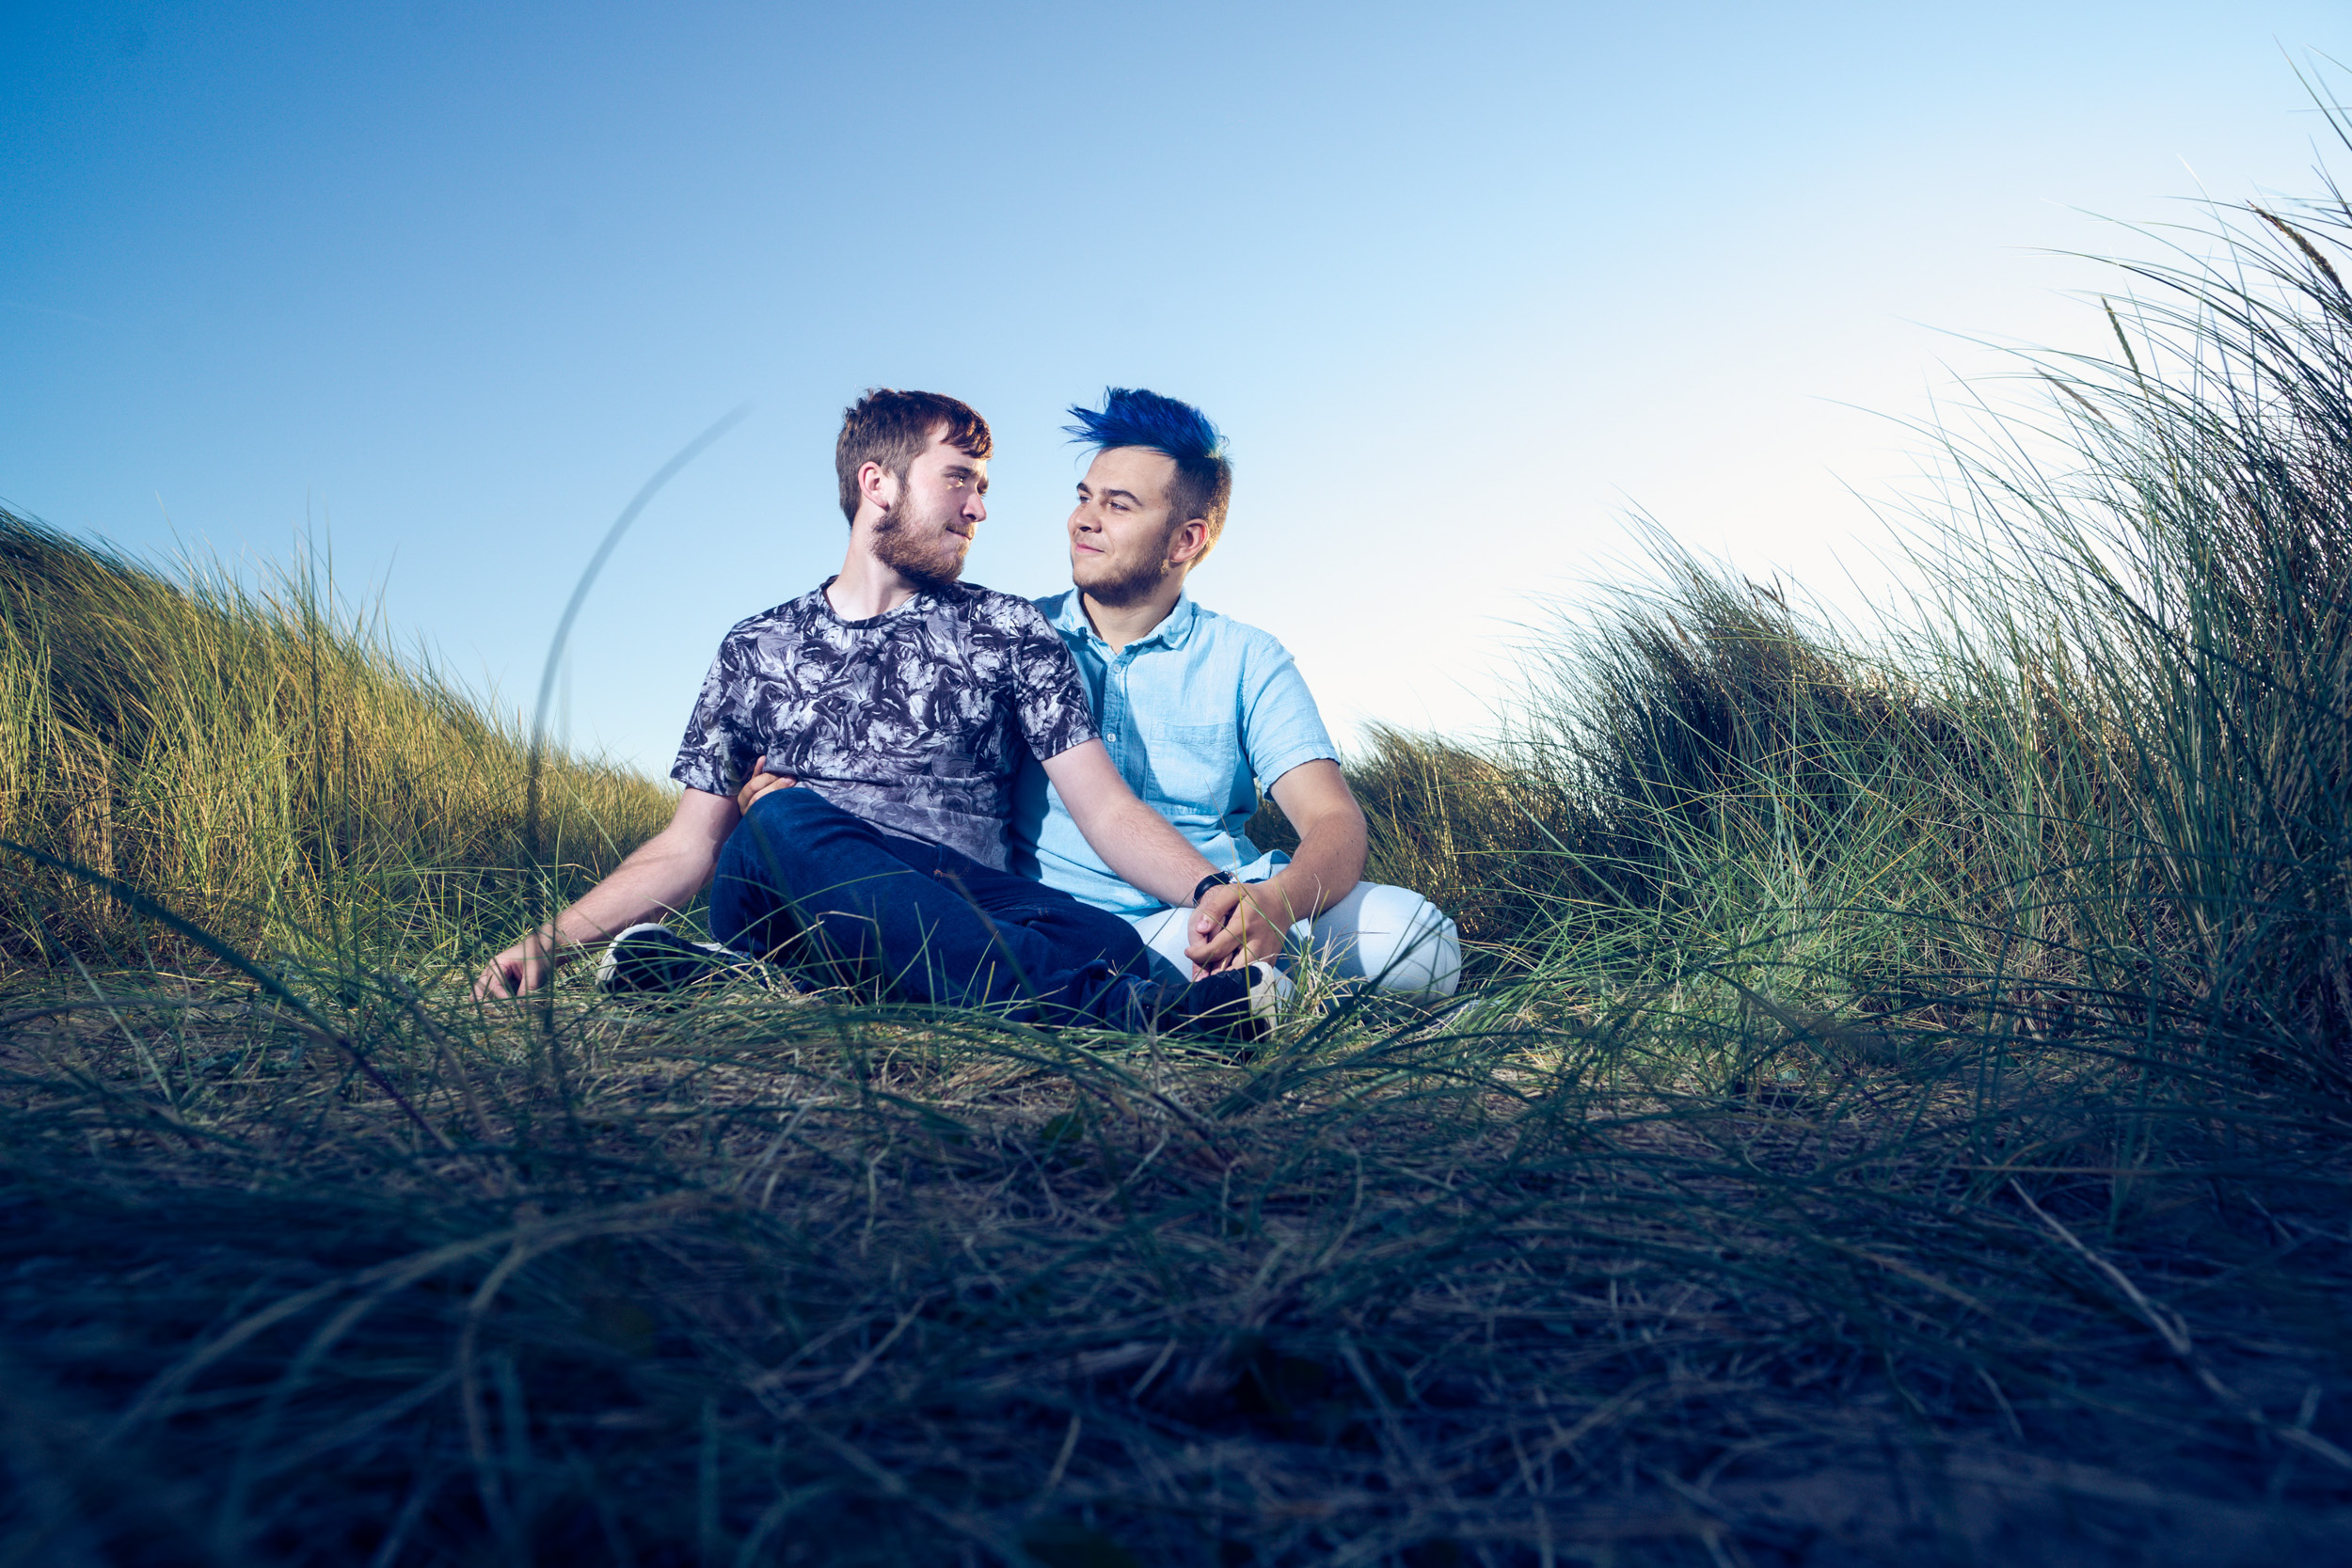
{"x":1120,"y":585}
{"x":920,"y":547}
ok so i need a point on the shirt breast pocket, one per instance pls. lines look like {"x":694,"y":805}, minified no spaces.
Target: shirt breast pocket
{"x":1189,"y":766}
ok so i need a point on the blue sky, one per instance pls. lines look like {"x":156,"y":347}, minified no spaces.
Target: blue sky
{"x":1464,"y":285}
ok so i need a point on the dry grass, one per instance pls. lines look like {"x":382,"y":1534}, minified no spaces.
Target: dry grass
{"x":752,"y":1283}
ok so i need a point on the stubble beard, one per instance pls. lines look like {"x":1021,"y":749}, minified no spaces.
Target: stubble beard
{"x":1134,"y":585}
{"x":920,"y":548}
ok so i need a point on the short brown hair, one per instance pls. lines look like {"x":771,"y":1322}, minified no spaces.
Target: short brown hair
{"x":894,"y":428}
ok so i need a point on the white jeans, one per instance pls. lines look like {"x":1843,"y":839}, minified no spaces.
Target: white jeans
{"x":1390,"y":935}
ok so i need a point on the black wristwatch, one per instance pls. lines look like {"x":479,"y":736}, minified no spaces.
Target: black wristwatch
{"x":1215,"y":878}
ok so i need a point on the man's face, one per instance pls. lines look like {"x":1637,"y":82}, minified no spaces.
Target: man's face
{"x":937,"y":511}
{"x":1120,"y":532}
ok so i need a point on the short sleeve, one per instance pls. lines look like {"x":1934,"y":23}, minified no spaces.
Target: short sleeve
{"x":1049,"y":696}
{"x":714,"y":757}
{"x":1281,"y":726}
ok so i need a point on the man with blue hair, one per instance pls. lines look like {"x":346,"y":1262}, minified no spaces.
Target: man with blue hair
{"x":847,"y":774}
{"x":1201,"y":713}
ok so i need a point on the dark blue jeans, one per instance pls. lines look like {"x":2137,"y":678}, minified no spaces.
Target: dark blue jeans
{"x":801,"y":878}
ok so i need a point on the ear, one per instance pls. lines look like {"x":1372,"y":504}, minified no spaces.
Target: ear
{"x":1188,"y":543}
{"x":876,"y":485}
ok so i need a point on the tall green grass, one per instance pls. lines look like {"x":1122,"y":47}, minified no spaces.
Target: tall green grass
{"x":2101,"y":772}
{"x":1901,"y":1113}
{"x":265,"y":761}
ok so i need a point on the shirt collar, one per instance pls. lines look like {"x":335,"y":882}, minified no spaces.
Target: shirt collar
{"x":922,"y":599}
{"x":1173,"y":632}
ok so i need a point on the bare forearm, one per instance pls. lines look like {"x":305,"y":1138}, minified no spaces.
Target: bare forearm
{"x":1242,"y":924}
{"x":1138,"y":844}
{"x":1135,"y":841}
{"x":658,"y":880}
{"x":1324,"y":869}
{"x":660,"y":876}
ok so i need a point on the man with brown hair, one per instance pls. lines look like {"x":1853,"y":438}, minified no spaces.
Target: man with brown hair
{"x":884,"y":715}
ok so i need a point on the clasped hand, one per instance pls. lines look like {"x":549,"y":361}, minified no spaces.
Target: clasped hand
{"x":1237,"y":924}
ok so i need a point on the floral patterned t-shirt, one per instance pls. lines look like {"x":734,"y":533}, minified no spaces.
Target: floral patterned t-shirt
{"x":915,"y":720}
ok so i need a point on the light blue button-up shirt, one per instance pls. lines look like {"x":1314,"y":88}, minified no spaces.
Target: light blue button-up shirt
{"x":1198,"y":717}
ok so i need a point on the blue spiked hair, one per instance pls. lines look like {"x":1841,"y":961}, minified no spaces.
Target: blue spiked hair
{"x":1132,"y":417}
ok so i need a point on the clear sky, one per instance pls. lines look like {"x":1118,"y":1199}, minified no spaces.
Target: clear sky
{"x":1464,"y":284}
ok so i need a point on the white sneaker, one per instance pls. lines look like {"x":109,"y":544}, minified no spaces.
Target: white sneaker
{"x":652,"y":959}
{"x":1239,"y":1003}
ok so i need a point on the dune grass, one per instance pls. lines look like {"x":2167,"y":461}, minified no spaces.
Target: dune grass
{"x":1901,"y":1113}
{"x":826,"y":1284}
{"x":267,"y":761}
